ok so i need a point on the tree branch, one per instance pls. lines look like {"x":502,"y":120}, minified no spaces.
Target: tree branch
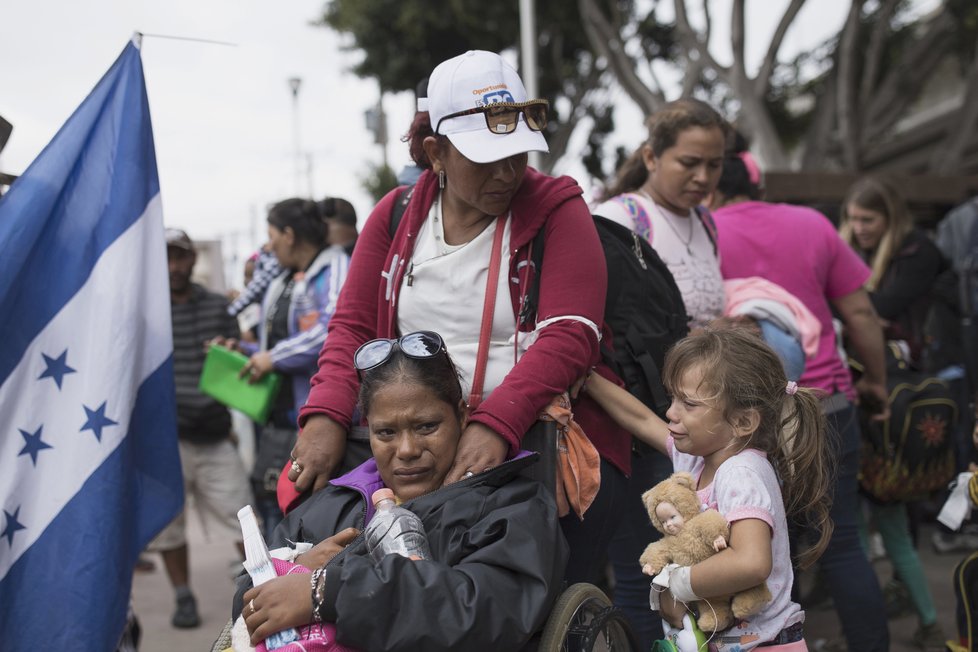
{"x":607,"y":42}
{"x":692,"y":40}
{"x":818,"y":142}
{"x":962,"y":127}
{"x":708,"y":20}
{"x":763,"y":79}
{"x":691,"y":77}
{"x":737,"y":39}
{"x":848,"y":128}
{"x":874,"y":53}
{"x":903,"y":82}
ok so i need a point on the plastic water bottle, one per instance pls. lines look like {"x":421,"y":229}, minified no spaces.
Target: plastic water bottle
{"x":395,"y":530}
{"x":258,"y":563}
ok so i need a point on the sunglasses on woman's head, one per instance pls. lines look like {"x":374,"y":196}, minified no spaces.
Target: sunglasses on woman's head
{"x":419,"y":345}
{"x":502,"y":117}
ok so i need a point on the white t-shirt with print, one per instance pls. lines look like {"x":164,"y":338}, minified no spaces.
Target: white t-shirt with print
{"x":745,"y":486}
{"x":695,"y":267}
{"x":443,"y":290}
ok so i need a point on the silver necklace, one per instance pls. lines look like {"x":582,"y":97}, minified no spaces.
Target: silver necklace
{"x":688,"y":241}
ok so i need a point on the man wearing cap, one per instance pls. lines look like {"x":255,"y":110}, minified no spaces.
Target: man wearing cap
{"x":212,"y":470}
{"x":341,"y":218}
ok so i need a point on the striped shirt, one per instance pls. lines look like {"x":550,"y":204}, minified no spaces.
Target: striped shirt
{"x":199,"y":417}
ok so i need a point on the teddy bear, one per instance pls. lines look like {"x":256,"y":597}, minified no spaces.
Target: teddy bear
{"x":689,"y":536}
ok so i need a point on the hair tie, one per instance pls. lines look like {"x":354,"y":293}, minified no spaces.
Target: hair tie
{"x":791,"y":388}
{"x":753,"y":171}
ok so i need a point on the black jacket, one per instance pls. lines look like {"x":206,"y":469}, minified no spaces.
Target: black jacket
{"x":905,"y":293}
{"x":498,"y":563}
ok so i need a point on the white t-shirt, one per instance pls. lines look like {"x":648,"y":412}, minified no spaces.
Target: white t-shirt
{"x":745,"y":486}
{"x":684,"y":246}
{"x":444,"y":289}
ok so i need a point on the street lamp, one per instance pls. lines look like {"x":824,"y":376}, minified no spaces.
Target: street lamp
{"x":295,"y":83}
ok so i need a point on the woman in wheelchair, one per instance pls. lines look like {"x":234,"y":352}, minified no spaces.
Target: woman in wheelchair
{"x":498,"y":555}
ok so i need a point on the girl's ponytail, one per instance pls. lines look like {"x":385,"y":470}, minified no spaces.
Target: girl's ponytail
{"x":803,"y":464}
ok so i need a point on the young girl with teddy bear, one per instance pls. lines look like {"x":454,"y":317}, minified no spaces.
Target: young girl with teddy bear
{"x":755,"y":445}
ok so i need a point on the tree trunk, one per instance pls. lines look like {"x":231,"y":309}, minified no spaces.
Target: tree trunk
{"x":962,"y":129}
{"x":759,"y":127}
{"x":846,"y":89}
{"x":607,"y":42}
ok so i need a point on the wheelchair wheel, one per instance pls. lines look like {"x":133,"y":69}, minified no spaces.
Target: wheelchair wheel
{"x":584,"y":620}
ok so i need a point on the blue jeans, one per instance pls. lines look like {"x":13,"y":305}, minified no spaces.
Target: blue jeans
{"x":786,"y":346}
{"x":848,"y":574}
{"x":634,"y":533}
{"x":588,"y":539}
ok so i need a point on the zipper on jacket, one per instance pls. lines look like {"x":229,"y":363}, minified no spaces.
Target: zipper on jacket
{"x":637,"y":248}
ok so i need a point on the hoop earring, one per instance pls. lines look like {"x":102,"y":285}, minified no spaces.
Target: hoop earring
{"x":441,"y":179}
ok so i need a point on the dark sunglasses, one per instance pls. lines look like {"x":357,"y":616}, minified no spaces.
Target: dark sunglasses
{"x":502,"y":117}
{"x":419,"y":345}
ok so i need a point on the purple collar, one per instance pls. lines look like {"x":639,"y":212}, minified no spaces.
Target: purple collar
{"x":364,"y":479}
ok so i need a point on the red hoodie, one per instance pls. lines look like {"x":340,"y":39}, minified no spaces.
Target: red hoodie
{"x":573,"y":282}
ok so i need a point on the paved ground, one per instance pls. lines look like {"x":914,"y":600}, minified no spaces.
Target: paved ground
{"x":823,"y":623}
{"x":210,"y":578}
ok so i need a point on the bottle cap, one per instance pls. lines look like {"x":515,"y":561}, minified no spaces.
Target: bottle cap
{"x":381,"y":494}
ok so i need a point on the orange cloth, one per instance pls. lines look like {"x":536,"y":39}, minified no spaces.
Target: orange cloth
{"x":578,"y":463}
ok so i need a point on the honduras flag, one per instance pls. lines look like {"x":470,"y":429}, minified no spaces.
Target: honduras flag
{"x":88,"y":449}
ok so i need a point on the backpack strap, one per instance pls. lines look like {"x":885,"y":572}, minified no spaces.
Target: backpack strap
{"x":528,"y":313}
{"x":633,"y":203}
{"x":398,"y":209}
{"x":706,"y":219}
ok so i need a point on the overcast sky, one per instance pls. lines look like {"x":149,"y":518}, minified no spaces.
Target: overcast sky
{"x":223,"y":116}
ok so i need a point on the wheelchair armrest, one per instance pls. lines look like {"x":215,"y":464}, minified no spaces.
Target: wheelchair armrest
{"x":542,"y":438}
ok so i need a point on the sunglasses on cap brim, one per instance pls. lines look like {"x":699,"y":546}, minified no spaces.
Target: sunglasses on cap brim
{"x":503,"y":117}
{"x":419,"y":345}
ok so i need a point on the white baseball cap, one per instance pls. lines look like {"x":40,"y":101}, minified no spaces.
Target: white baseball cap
{"x":471,"y":80}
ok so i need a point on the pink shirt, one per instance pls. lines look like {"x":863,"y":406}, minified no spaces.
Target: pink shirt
{"x":746,"y":486}
{"x":800,"y":250}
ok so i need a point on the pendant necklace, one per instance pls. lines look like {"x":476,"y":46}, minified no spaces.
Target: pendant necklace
{"x":688,"y":241}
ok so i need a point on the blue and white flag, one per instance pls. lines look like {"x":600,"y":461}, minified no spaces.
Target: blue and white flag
{"x":88,"y":450}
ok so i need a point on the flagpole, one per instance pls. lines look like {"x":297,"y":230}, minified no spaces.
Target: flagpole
{"x":528,"y":56}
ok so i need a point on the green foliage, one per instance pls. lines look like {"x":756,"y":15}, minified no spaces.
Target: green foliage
{"x":403,"y":40}
{"x":594,"y":156}
{"x":380,"y":180}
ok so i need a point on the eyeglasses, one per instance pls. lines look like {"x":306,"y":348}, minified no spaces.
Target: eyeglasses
{"x":419,"y":345}
{"x":502,"y":117}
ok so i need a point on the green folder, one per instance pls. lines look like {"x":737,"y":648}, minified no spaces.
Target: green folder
{"x":219,"y":380}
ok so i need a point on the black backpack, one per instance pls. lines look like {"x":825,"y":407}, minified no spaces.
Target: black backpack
{"x":911,"y":454}
{"x":644,"y":311}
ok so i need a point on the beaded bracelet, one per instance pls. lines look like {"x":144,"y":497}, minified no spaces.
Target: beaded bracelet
{"x":318,"y":585}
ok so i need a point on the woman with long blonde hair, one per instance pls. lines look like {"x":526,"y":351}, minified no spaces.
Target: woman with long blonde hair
{"x":905,"y":263}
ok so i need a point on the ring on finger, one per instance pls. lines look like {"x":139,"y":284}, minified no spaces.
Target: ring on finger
{"x":468,"y":474}
{"x":296,"y":466}
{"x":252,"y":606}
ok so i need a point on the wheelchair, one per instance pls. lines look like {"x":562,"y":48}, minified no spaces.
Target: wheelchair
{"x":583,"y":619}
